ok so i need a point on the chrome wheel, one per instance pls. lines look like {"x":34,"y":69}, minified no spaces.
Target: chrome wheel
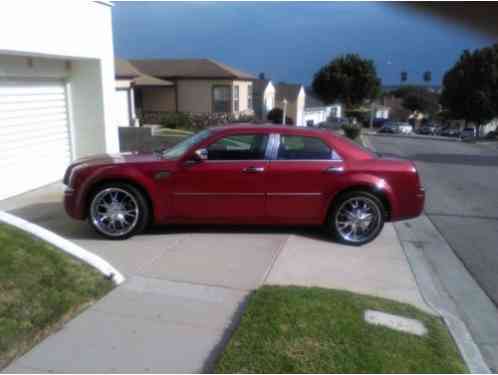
{"x":358,"y":219}
{"x":114,"y":212}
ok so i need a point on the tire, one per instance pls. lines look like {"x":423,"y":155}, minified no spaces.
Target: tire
{"x":132,"y":208}
{"x":368,"y":207}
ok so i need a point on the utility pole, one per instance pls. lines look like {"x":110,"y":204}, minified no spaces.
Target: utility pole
{"x":285,"y":111}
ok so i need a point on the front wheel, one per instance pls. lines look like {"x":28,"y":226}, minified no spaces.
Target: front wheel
{"x":118,"y":211}
{"x":356,"y":218}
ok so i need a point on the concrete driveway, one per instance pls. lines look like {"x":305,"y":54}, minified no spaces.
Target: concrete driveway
{"x":186,"y":287}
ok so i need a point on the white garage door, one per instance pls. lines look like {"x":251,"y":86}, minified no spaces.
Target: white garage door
{"x":34,"y":134}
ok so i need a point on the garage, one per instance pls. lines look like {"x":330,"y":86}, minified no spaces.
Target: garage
{"x":35,"y":146}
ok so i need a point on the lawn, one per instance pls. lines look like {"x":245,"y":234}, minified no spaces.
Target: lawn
{"x":314,"y":330}
{"x":40,"y":288}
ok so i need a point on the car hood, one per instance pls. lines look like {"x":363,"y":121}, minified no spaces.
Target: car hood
{"x":125,"y":157}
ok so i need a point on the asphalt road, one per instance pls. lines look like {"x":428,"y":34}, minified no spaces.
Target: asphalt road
{"x":461,"y":182}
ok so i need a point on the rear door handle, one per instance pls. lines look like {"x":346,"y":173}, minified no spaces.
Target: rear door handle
{"x":253,"y":170}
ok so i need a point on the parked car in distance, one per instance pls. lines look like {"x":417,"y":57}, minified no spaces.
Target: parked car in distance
{"x":247,"y":174}
{"x":427,"y":129}
{"x":334,"y":123}
{"x":450,"y":132}
{"x":468,"y":133}
{"x":405,"y":128}
{"x":389,"y":128}
{"x":493,"y":134}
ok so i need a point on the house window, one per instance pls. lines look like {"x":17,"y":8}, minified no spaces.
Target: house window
{"x":221,"y":99}
{"x":249,"y":96}
{"x":236,"y":106}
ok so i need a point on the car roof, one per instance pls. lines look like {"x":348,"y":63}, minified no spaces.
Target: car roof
{"x":273,"y":128}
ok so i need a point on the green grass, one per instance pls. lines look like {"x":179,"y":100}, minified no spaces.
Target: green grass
{"x":40,"y":288}
{"x":313,"y":330}
{"x":174,"y":132}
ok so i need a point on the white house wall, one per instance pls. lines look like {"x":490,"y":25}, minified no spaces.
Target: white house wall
{"x":72,"y":40}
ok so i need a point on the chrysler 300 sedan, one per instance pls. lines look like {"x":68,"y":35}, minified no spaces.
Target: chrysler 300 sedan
{"x":247,"y":174}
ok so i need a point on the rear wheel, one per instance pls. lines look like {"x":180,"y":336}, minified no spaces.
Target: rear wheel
{"x":118,"y":211}
{"x":356,"y":218}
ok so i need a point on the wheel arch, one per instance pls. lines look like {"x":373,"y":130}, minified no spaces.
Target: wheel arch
{"x":95,"y":186}
{"x":374,"y":190}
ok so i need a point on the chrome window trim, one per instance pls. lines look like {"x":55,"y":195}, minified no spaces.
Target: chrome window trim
{"x":237,"y":161}
{"x":295,"y":194}
{"x":218,"y":194}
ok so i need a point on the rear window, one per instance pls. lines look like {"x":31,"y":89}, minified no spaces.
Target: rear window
{"x":295,"y":147}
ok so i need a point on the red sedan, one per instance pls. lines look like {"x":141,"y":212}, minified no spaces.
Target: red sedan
{"x":247,"y":174}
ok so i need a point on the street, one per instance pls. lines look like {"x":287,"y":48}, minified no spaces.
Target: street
{"x":461,"y":182}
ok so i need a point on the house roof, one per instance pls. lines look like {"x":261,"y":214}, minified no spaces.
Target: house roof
{"x":189,"y":68}
{"x":124,"y":69}
{"x":145,"y":80}
{"x":260,"y":85}
{"x":287,"y":91}
{"x":312,"y":101}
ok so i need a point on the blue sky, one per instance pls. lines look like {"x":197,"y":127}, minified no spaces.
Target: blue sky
{"x":291,"y":41}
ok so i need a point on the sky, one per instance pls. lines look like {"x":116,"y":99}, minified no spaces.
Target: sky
{"x":291,"y":41}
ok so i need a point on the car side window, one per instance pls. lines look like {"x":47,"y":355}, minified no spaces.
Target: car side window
{"x":239,"y":147}
{"x":295,"y":147}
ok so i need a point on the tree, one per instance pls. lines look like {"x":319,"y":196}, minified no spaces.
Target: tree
{"x":349,"y":79}
{"x":416,"y":98}
{"x":404,"y":76}
{"x":427,"y":76}
{"x":470,"y":87}
{"x":275,"y":116}
{"x":422,"y":101}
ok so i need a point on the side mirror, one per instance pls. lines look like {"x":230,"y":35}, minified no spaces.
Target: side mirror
{"x":201,"y":154}
{"x":198,"y":156}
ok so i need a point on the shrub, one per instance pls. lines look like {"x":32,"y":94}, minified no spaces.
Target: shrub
{"x":351,"y":131}
{"x":362,"y":117}
{"x":275,"y":116}
{"x":176,"y":120}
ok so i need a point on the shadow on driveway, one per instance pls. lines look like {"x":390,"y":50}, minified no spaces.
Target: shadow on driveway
{"x":51,"y":215}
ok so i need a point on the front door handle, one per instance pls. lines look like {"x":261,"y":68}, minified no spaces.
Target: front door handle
{"x":335,"y":170}
{"x":253,"y":170}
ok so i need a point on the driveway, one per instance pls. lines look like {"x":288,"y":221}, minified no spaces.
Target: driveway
{"x":186,"y":287}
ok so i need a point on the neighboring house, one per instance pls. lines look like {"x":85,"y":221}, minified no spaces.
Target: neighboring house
{"x":56,"y":89}
{"x":200,"y":86}
{"x":129,"y":79}
{"x":264,"y":98}
{"x":381,"y":112}
{"x":295,"y":96}
{"x":316,"y":111}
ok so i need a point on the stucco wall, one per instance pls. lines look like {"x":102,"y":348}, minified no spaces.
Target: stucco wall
{"x":197,"y":95}
{"x":158,"y":99}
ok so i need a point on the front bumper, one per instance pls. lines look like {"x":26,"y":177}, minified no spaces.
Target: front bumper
{"x":71,"y":204}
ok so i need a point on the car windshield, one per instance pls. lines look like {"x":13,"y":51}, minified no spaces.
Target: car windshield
{"x":179,"y":149}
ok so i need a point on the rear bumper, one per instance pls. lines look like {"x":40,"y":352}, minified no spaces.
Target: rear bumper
{"x":410,"y":206}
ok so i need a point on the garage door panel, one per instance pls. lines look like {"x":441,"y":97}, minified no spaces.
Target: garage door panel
{"x":11,"y":124}
{"x":35,"y":145}
{"x":34,"y":134}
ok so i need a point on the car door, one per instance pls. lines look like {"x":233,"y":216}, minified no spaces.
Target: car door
{"x":301,"y":177}
{"x":229,"y":185}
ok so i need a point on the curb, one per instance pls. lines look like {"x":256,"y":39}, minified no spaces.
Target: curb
{"x":435,"y":299}
{"x":408,"y":136}
{"x":65,"y":245}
